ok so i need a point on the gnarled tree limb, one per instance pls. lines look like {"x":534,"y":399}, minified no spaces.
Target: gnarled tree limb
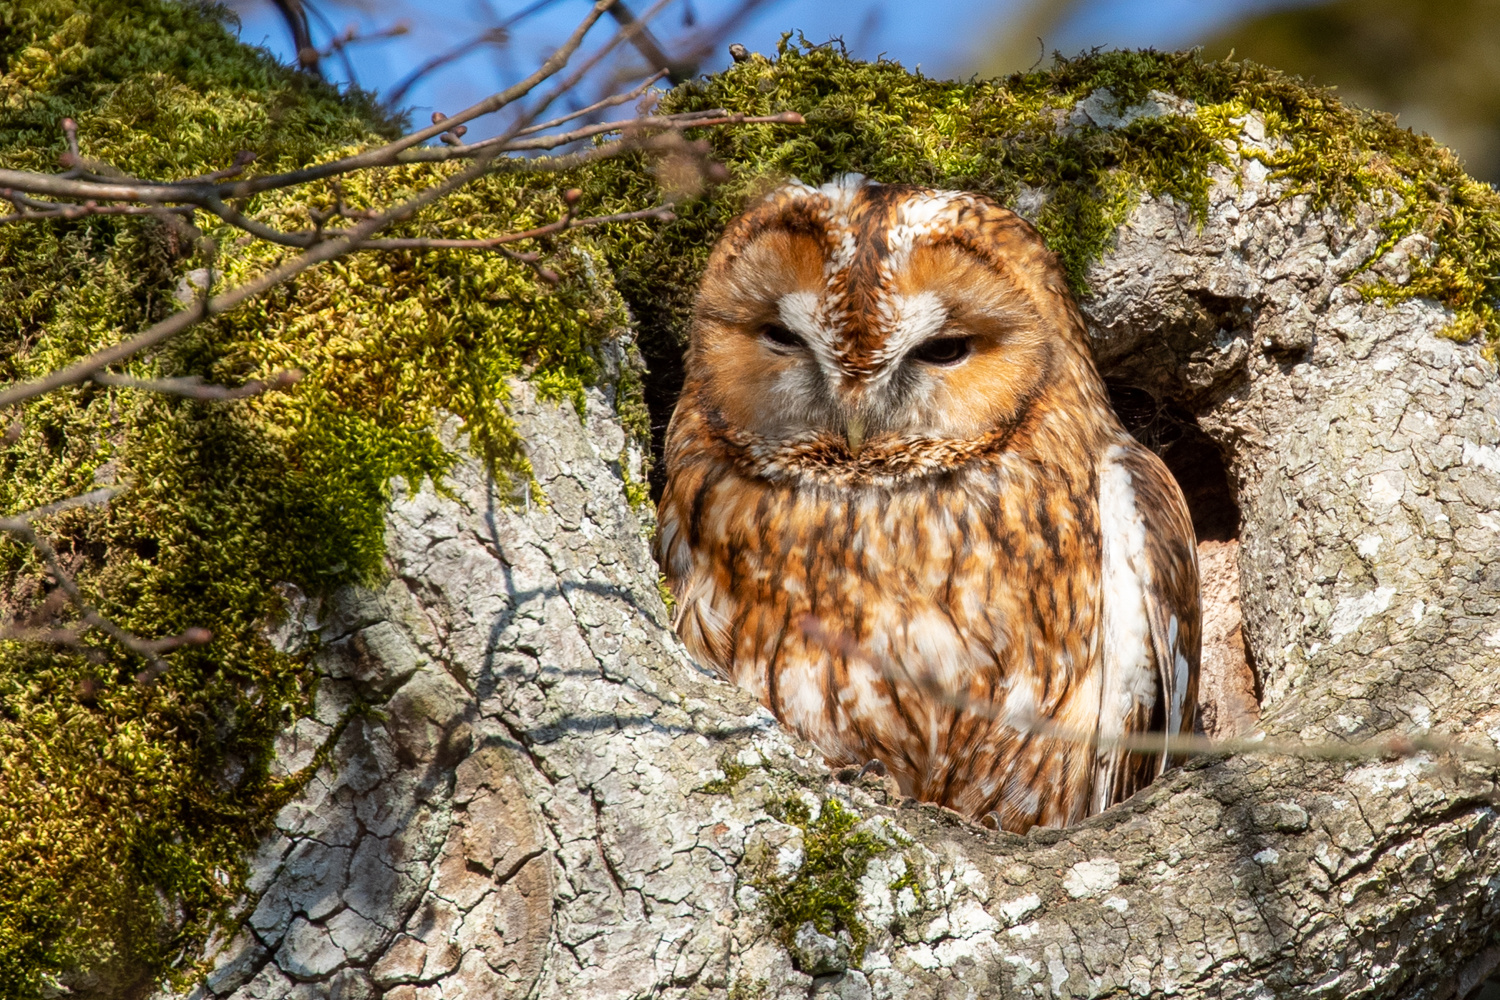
{"x":553,"y":801}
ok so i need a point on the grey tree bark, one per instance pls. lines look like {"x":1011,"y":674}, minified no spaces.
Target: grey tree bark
{"x":527,"y":790}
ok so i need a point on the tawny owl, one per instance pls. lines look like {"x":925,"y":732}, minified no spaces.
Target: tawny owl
{"x":900,"y":510}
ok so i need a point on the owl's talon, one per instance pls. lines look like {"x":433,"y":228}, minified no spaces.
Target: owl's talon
{"x":990,"y":820}
{"x":875,"y":767}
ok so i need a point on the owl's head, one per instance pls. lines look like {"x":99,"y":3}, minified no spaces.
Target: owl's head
{"x":864,"y":317}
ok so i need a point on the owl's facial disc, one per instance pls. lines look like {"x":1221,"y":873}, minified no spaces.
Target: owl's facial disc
{"x":868,"y":334}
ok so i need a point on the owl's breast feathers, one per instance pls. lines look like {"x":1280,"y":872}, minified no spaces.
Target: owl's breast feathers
{"x":986,"y":630}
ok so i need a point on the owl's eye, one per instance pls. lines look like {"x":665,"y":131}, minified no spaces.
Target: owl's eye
{"x":942,"y":351}
{"x":781,"y":336}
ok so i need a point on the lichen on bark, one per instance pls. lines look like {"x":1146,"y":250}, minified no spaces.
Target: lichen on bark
{"x":1268,"y":259}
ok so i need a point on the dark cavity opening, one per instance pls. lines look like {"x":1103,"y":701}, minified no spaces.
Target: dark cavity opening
{"x":661,"y":386}
{"x":1189,"y":453}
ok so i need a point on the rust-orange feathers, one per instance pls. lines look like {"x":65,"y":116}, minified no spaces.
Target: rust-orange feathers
{"x":900,"y":510}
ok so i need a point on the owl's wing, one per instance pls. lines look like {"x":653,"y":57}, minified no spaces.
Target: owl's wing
{"x":1151,"y":620}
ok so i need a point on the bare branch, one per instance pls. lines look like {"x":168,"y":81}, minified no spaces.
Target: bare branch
{"x":70,"y":636}
{"x":21,"y":527}
{"x":351,"y":36}
{"x":193,"y":387}
{"x":675,"y":123}
{"x":33,"y":210}
{"x":214,"y":306}
{"x":608,"y":102}
{"x":1393,"y":745}
{"x":242,"y":159}
{"x":646,"y":44}
{"x":490,"y":36}
{"x":659,"y":214}
{"x":155,"y":648}
{"x":387,"y":155}
{"x":150,"y":649}
{"x":91,"y":499}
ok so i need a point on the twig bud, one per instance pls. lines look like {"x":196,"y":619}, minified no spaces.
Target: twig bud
{"x":438,"y":118}
{"x":459,"y":130}
{"x":571,"y":196}
{"x":738,"y":52}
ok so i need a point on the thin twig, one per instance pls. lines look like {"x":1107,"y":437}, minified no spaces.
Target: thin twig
{"x":1174,"y":744}
{"x":664,"y":123}
{"x":91,"y":499}
{"x":21,"y":527}
{"x":567,"y":222}
{"x":71,"y":636}
{"x":600,"y":105}
{"x":323,"y":251}
{"x":490,"y":36}
{"x":351,"y":36}
{"x":150,"y":649}
{"x":382,"y":156}
{"x":193,"y":386}
{"x":225,"y":185}
{"x":78,"y":211}
{"x":646,"y":44}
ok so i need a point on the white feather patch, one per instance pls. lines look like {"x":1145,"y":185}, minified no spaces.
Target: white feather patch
{"x":1129,"y":675}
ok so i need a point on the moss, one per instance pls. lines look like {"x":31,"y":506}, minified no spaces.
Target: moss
{"x":734,"y":773}
{"x":824,"y":890}
{"x":1009,"y":137}
{"x":749,"y":989}
{"x":125,"y":816}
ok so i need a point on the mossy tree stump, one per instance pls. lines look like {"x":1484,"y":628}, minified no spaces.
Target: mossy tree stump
{"x":444,"y":742}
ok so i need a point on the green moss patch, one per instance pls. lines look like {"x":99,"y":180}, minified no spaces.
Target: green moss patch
{"x":1003,"y":137}
{"x":126,"y":813}
{"x":734,"y":773}
{"x":824,"y":890}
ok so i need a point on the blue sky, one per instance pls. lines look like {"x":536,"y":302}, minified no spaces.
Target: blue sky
{"x":944,"y":37}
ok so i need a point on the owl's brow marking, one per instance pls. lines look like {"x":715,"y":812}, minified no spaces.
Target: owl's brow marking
{"x":913,"y":319}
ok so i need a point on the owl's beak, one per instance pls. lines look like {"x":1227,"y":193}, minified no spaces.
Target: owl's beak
{"x":854,"y":433}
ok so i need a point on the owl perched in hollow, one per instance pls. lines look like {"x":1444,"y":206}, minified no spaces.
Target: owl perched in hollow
{"x":900,"y":510}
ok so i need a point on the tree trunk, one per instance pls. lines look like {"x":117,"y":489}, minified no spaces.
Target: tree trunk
{"x":536,"y":793}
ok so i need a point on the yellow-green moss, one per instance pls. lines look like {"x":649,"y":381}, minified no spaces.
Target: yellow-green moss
{"x":824,"y":890}
{"x":117,"y":809}
{"x":734,"y":773}
{"x":1001,"y":137}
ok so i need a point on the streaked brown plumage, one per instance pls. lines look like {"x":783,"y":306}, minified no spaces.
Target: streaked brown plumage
{"x":900,"y":510}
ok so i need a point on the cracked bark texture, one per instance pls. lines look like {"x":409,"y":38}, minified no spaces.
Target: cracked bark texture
{"x":514,"y":804}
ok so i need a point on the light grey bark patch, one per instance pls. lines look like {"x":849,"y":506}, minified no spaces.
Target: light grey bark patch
{"x":563,"y":847}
